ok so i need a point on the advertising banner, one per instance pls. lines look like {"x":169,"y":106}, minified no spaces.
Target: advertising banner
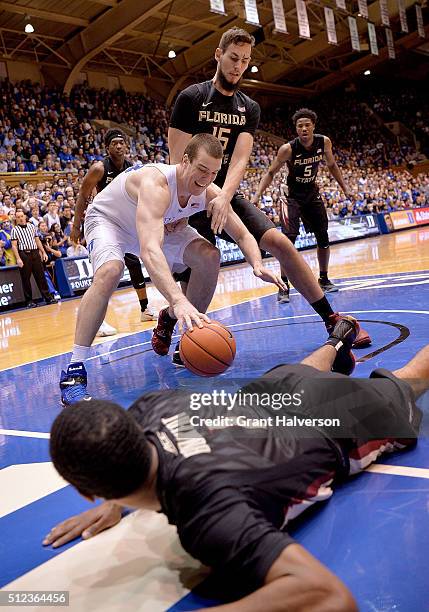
{"x":421,"y":215}
{"x":402,"y":218}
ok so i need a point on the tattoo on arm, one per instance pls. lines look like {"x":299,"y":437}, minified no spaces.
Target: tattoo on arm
{"x":271,"y":173}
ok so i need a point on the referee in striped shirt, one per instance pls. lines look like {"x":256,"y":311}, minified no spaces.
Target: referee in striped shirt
{"x":29,"y":254}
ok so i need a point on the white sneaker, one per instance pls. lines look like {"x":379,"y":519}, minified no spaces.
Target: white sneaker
{"x":149,"y":314}
{"x":106,"y":330}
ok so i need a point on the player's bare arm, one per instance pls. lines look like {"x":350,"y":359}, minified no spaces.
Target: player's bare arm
{"x":177,"y":141}
{"x":246,"y":242}
{"x":284,"y":154}
{"x":296,"y":582}
{"x":153,"y":199}
{"x":333,"y":166}
{"x":218,"y":207}
{"x":89,"y":183}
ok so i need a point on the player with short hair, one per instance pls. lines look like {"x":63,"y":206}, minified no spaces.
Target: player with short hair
{"x":145,"y":210}
{"x":219,"y":107}
{"x":100,"y":174}
{"x":231,"y":491}
{"x":303,"y":155}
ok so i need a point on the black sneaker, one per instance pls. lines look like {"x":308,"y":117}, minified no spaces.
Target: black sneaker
{"x":326,"y":285}
{"x":283,"y":296}
{"x":341,"y":338}
{"x":31,"y":305}
{"x":176,"y":359}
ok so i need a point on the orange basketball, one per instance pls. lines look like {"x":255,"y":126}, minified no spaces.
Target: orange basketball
{"x":209,"y":350}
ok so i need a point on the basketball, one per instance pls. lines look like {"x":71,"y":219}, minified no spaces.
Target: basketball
{"x":209,"y":350}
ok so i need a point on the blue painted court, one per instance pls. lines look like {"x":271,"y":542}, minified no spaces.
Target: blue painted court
{"x":373,"y":533}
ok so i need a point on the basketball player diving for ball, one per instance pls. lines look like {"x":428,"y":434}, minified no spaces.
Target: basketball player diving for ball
{"x":218,"y":107}
{"x":145,"y":211}
{"x":303,"y":156}
{"x":231,"y":491}
{"x":100,"y":174}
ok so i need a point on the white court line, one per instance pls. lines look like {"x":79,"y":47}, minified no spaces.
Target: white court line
{"x":303,"y":316}
{"x":398,"y":470}
{"x":128,"y":335}
{"x":392,"y":276}
{"x":24,"y":434}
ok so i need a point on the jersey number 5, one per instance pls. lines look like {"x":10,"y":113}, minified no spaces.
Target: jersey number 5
{"x":222,"y":134}
{"x":307,"y":170}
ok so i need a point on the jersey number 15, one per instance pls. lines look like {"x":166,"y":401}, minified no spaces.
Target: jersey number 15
{"x":222,"y":134}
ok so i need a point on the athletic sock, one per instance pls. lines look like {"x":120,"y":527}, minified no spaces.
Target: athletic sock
{"x":80,"y":353}
{"x":323,"y":308}
{"x":323,"y":275}
{"x":142,"y":295}
{"x":285,"y":280}
{"x":136,"y":275}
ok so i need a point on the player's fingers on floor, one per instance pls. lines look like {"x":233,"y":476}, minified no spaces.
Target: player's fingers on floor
{"x":59,"y":530}
{"x":68,"y":537}
{"x":102,"y":524}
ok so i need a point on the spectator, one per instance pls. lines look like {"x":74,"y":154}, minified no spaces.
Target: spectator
{"x":52,"y":216}
{"x":77,"y":250}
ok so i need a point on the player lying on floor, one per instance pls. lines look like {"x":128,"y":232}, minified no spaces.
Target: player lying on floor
{"x":231,"y":491}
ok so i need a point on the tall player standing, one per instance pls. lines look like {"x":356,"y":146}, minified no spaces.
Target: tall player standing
{"x":218,"y":106}
{"x":303,"y":156}
{"x":100,"y":174}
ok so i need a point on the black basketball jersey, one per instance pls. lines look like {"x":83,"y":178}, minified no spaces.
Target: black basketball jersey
{"x":228,"y":489}
{"x":111,"y":172}
{"x":303,"y":167}
{"x":201,"y":108}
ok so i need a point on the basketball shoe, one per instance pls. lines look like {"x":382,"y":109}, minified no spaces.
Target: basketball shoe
{"x":283,"y":296}
{"x":106,"y":330}
{"x":161,"y":337}
{"x":73,"y":384}
{"x":342,"y":338}
{"x":327,"y":286}
{"x":362,"y":339}
{"x":176,"y":359}
{"x":148,"y":314}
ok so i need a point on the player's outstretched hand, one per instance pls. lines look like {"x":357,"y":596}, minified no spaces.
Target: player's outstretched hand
{"x":268,"y":276}
{"x":87,"y":524}
{"x":187,"y":315}
{"x":218,"y":209}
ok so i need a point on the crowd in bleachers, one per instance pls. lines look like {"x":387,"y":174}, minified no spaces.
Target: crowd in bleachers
{"x":375,"y":187}
{"x":45,"y":130}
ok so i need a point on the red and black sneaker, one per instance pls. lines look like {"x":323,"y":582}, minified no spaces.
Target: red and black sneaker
{"x":363,"y":338}
{"x":342,"y":338}
{"x":161,"y":337}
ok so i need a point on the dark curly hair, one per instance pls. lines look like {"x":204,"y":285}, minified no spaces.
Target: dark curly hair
{"x":111,"y":134}
{"x":304,"y":113}
{"x":100,"y":449}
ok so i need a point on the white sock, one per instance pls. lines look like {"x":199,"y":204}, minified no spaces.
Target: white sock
{"x":80,"y":353}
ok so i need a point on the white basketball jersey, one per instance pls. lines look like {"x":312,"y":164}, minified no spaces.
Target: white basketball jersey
{"x":115,"y":204}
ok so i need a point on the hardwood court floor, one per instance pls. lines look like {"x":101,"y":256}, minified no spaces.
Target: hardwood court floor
{"x":27,"y":336}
